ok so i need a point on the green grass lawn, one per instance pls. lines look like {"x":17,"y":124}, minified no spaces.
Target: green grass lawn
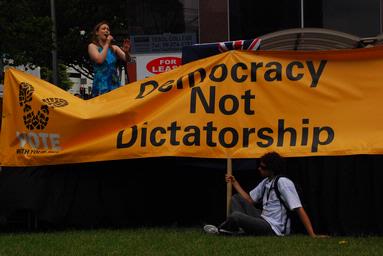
{"x":179,"y":241}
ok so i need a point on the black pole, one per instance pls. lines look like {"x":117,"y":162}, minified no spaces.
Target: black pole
{"x":54,"y":40}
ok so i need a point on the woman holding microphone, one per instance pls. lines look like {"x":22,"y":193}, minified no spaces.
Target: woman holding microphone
{"x":104,"y":55}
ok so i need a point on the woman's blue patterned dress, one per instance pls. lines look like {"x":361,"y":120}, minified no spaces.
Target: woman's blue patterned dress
{"x":105,"y":75}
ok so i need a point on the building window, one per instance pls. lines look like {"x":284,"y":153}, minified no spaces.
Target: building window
{"x":249,"y":19}
{"x":146,"y":17}
{"x":360,"y":18}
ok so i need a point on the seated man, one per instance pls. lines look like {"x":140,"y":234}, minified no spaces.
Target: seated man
{"x":278,"y":197}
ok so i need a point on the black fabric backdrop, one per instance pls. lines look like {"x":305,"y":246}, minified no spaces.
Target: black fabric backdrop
{"x":342,"y":195}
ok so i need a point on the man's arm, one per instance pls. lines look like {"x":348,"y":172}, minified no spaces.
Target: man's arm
{"x":305,"y":220}
{"x":239,"y":189}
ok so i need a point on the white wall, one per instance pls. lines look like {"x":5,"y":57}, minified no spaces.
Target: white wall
{"x":34,"y":72}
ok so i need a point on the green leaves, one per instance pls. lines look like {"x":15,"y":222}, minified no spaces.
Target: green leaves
{"x":26,"y":27}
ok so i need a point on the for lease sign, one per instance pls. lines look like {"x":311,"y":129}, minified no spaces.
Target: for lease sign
{"x":163,"y":64}
{"x":156,"y":63}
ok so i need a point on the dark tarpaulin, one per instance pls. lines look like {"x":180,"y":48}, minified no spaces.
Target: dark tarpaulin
{"x":140,"y":192}
{"x":342,"y":195}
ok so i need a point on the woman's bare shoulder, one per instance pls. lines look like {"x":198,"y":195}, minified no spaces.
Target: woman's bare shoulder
{"x":92,"y":45}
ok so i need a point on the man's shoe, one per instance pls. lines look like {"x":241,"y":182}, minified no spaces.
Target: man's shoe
{"x":211,"y":229}
{"x":238,"y":232}
{"x":226,"y":232}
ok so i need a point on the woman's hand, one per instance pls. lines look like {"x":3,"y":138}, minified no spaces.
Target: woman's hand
{"x":126,"y":45}
{"x":109,"y":39}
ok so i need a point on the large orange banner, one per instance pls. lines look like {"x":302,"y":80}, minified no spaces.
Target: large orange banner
{"x":237,"y":104}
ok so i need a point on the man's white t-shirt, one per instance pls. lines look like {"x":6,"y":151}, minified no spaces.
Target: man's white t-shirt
{"x":273,"y":210}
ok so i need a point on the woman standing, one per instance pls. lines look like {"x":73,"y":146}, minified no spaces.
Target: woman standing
{"x":104,"y":55}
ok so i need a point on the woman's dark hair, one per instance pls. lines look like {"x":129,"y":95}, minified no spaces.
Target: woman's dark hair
{"x":95,"y":29}
{"x":274,"y":162}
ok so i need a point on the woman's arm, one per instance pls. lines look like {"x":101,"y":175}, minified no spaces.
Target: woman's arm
{"x":95,"y":55}
{"x":123,"y":53}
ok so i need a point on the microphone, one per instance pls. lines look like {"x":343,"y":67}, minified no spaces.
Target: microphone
{"x":108,"y":34}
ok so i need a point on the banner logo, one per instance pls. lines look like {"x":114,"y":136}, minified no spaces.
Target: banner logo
{"x":40,"y":120}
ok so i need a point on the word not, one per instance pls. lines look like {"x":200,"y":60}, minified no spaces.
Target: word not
{"x":209,"y":104}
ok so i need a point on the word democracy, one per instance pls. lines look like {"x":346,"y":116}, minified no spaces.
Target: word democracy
{"x":240,"y":72}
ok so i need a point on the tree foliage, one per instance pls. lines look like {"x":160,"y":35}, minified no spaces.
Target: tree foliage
{"x":63,"y":78}
{"x":26,"y":36}
{"x":26,"y":27}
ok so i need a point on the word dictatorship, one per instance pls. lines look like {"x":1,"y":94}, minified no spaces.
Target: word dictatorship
{"x":210,"y":135}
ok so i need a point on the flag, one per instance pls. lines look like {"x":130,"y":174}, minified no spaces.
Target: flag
{"x":200,"y":51}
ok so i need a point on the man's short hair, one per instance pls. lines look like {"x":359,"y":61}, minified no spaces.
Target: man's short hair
{"x":274,"y":162}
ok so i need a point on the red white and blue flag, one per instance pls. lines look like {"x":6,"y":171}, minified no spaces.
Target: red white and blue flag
{"x":199,"y":51}
{"x":251,"y":45}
